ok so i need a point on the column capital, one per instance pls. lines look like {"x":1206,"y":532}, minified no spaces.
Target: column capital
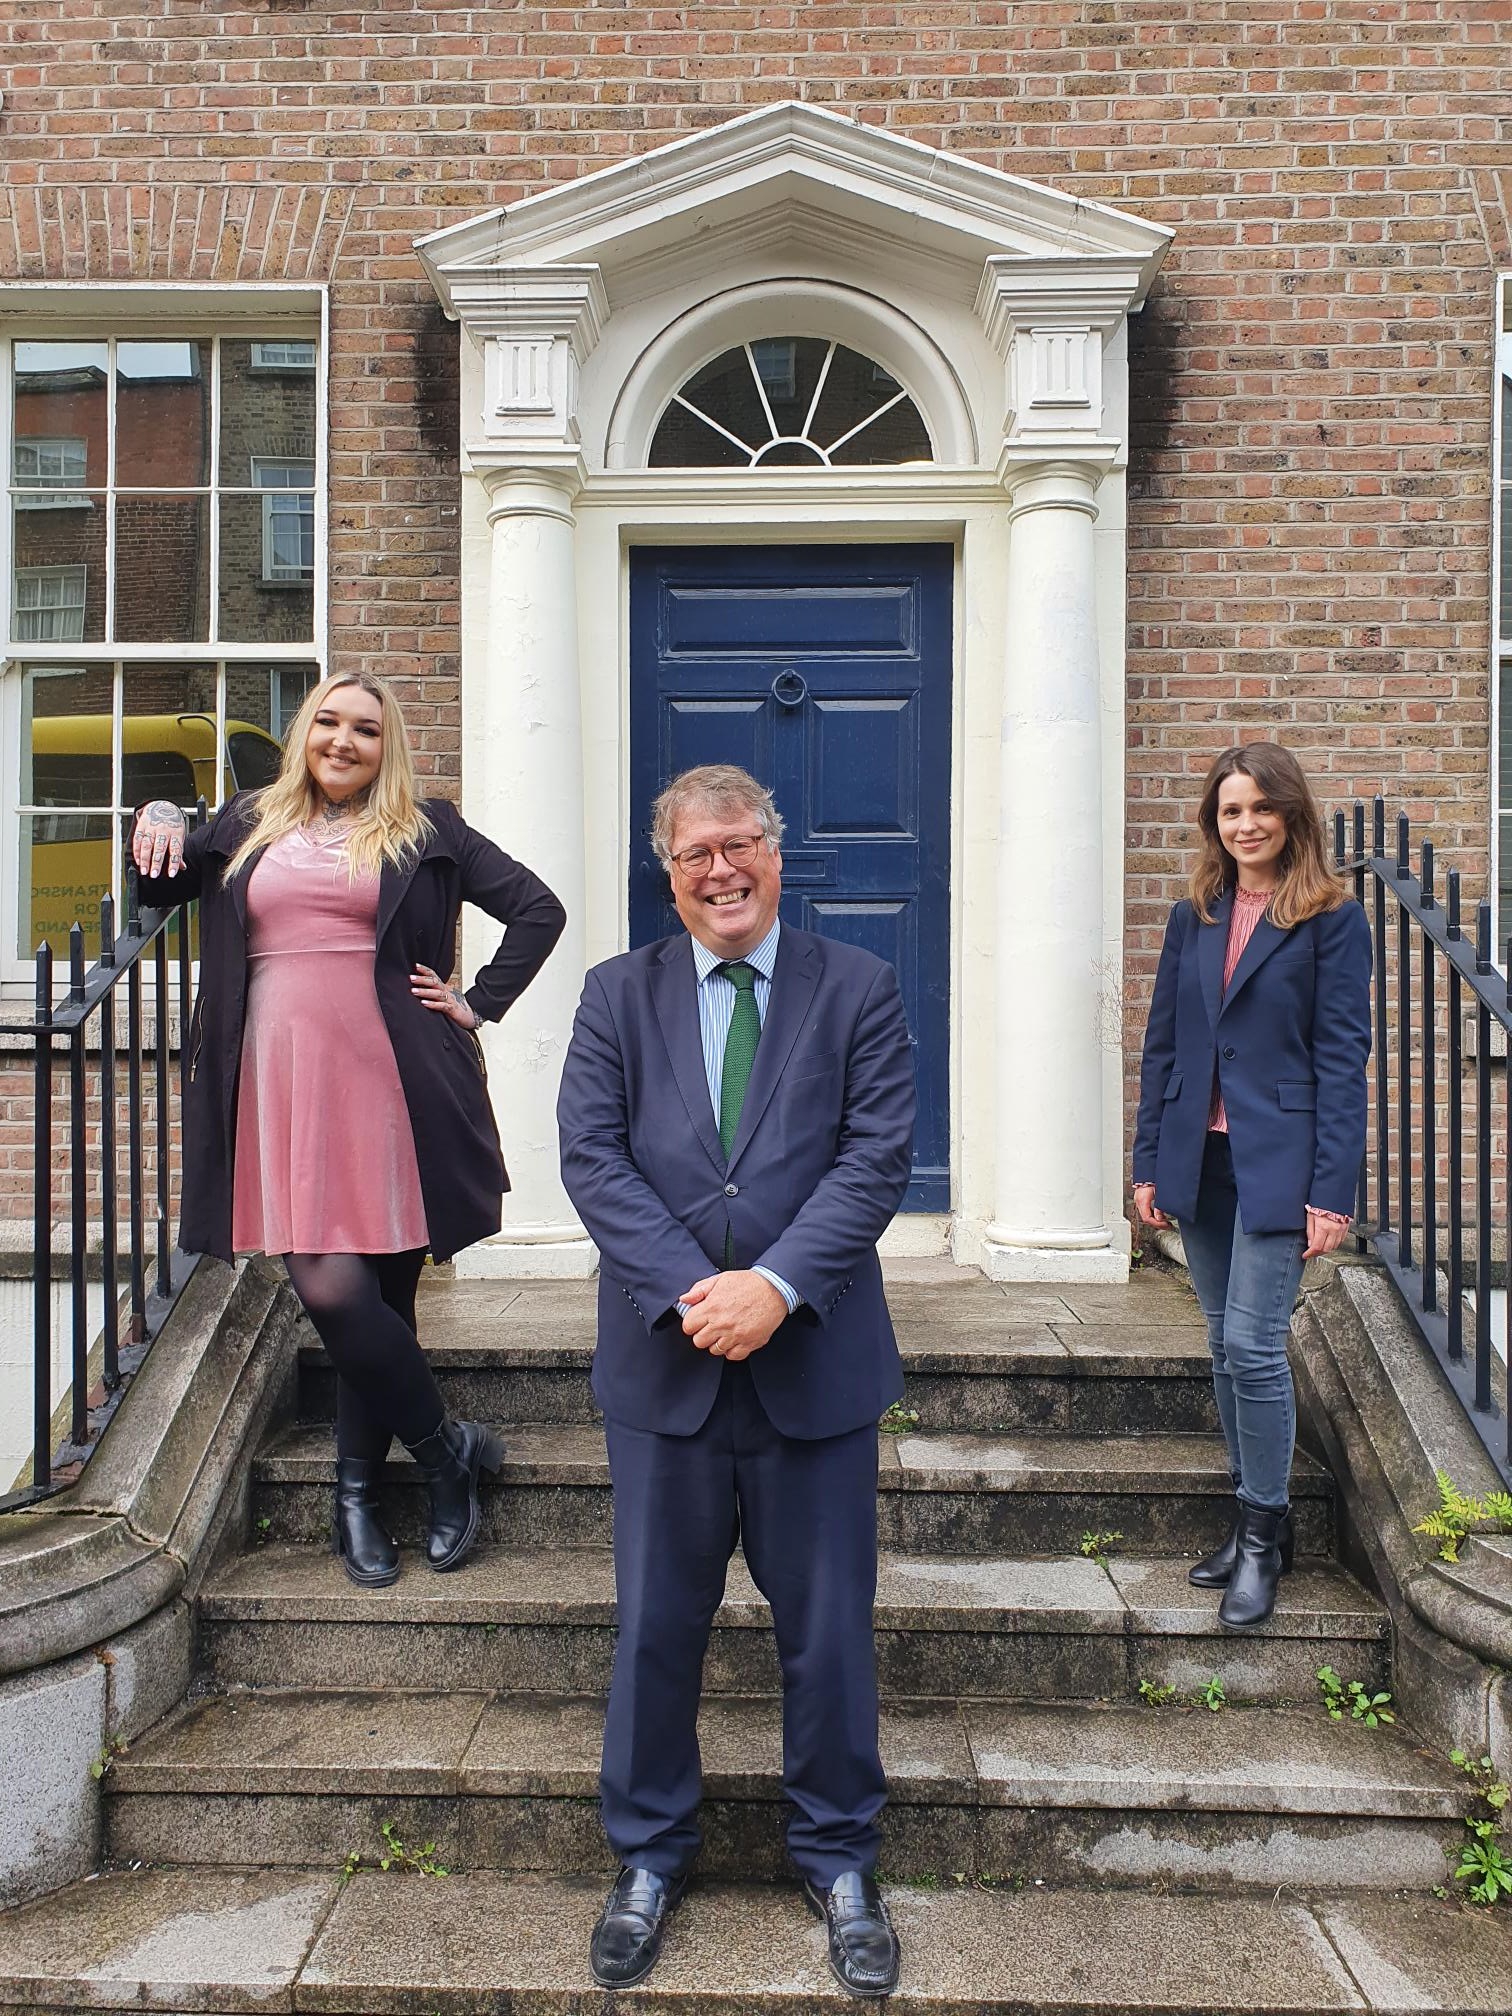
{"x":1054,"y":476}
{"x":533,"y":326}
{"x":1048,"y":318}
{"x":527,"y":479}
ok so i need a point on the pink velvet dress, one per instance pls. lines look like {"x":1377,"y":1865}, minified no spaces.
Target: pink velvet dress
{"x":325,"y":1155}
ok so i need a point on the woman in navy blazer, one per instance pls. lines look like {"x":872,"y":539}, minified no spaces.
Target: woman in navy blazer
{"x":1251,"y":1120}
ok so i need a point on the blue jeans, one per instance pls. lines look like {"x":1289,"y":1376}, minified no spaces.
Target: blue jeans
{"x":1247,"y":1283}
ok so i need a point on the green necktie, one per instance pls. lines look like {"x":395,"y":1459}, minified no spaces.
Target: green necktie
{"x":740,"y":1048}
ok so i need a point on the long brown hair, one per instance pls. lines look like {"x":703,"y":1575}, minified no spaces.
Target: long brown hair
{"x":390,"y":826}
{"x":1306,"y":885}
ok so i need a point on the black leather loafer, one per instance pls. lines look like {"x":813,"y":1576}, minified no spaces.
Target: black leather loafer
{"x":626,"y":1942}
{"x":863,"y":1947}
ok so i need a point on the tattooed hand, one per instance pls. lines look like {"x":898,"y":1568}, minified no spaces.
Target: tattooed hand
{"x":158,"y":837}
{"x":431,"y":991}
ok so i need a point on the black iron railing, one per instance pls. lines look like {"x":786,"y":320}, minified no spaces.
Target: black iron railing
{"x":1434,"y":1247}
{"x":84,"y":1026}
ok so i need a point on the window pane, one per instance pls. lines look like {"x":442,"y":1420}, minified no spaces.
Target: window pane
{"x":65,"y":736}
{"x":58,"y":587}
{"x":66,"y":859}
{"x":789,"y":368}
{"x":168,"y":734}
{"x":267,"y":409}
{"x":162,"y":414}
{"x":261,"y":702}
{"x":267,"y":568}
{"x":855,"y":389}
{"x":59,"y":415}
{"x":683,"y":441}
{"x":162,"y":570}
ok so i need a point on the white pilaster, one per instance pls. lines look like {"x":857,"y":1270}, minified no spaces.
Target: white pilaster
{"x":522,"y":769}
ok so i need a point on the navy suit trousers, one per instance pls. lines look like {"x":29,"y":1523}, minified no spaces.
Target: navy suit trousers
{"x":805,"y":1513}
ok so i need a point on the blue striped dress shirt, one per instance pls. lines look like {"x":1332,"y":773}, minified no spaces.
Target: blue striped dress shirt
{"x":716,"y":1008}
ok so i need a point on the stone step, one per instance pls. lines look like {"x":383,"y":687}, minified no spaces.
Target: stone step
{"x":239,"y":1941}
{"x":1110,"y":1794}
{"x":956,"y":1494}
{"x":978,"y":1356}
{"x":947,"y":1625}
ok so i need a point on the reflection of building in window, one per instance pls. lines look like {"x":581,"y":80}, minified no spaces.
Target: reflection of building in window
{"x":50,"y":605}
{"x":283,"y":356}
{"x":288,"y":520}
{"x":777,"y":366}
{"x":44,"y":462}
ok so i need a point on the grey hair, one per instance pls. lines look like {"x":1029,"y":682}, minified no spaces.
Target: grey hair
{"x":712,"y":787}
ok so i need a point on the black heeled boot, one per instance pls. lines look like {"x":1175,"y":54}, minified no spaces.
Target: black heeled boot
{"x":1251,"y":1594}
{"x":449,"y":1461}
{"x":358,"y":1539}
{"x":1215,"y":1570}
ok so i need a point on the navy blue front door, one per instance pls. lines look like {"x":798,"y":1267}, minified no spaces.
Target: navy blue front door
{"x":825,"y":672}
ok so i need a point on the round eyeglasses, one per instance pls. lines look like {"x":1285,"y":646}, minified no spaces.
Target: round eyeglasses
{"x":739,"y":852}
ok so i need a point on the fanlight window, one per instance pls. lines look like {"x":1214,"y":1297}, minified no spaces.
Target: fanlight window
{"x":790,"y":402}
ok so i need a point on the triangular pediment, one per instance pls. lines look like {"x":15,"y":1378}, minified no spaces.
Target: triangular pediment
{"x":784,"y":174}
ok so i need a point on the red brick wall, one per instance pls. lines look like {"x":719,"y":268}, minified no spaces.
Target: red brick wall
{"x":1311,"y":381}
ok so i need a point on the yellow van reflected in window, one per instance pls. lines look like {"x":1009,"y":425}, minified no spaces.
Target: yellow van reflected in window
{"x":70,"y":850}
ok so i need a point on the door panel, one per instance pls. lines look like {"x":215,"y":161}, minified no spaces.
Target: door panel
{"x":825,"y":671}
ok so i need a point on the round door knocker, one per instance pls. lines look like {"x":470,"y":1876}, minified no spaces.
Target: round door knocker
{"x":789,"y":689}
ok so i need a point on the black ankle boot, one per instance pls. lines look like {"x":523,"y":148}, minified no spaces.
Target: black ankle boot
{"x":449,"y":1461}
{"x":1214,"y":1570}
{"x":1251,"y":1594}
{"x":358,"y":1539}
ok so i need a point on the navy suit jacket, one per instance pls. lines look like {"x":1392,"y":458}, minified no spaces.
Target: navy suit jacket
{"x":1288,"y":1042}
{"x":818,"y":1166}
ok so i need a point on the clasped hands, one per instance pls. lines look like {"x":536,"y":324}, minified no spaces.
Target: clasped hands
{"x":733,"y":1314}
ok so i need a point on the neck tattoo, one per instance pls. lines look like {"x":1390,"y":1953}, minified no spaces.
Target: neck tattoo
{"x":333,"y":810}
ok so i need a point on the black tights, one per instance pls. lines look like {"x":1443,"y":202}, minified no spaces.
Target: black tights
{"x":363,"y":1309}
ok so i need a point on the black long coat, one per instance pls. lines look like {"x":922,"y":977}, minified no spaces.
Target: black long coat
{"x":462,"y":1175}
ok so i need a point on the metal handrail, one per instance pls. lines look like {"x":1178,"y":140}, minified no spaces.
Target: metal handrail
{"x":1405,"y":1227}
{"x":53,"y":1025}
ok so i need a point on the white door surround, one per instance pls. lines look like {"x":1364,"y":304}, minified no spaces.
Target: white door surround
{"x":1001,"y":306}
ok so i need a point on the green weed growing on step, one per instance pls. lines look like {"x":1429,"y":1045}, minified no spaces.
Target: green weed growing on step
{"x":899,"y":1420}
{"x":261,"y":1528}
{"x":1484,"y":1866}
{"x":1352,"y":1697}
{"x":1156,"y":1697}
{"x":1098,"y":1547}
{"x":1211,"y":1695}
{"x":349,"y":1868}
{"x":408,"y":1861}
{"x":1458,"y":1516}
{"x":115,"y":1746}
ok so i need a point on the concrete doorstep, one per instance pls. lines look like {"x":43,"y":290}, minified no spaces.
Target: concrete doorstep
{"x":388,"y":1945}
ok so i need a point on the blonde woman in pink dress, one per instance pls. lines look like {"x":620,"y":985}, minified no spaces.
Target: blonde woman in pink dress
{"x":335,"y":1110}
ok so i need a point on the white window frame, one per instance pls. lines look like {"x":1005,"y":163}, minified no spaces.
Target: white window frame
{"x":1501,"y":614}
{"x":258,"y":313}
{"x":284,"y":499}
{"x":74,"y":574}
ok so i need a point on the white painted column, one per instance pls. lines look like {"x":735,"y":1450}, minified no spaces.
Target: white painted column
{"x":522,"y":716}
{"x":522,"y":778}
{"x":1048,"y":1219}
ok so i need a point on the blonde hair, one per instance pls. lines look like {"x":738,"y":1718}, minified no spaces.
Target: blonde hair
{"x":389,"y":826}
{"x":1306,"y":884}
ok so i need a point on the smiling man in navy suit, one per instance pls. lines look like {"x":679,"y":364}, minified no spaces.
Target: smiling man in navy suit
{"x":736,"y":1115}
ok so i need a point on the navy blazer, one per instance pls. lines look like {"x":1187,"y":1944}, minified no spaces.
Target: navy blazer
{"x":1288,"y":1043}
{"x":462,"y":1178}
{"x":818,"y":1166}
